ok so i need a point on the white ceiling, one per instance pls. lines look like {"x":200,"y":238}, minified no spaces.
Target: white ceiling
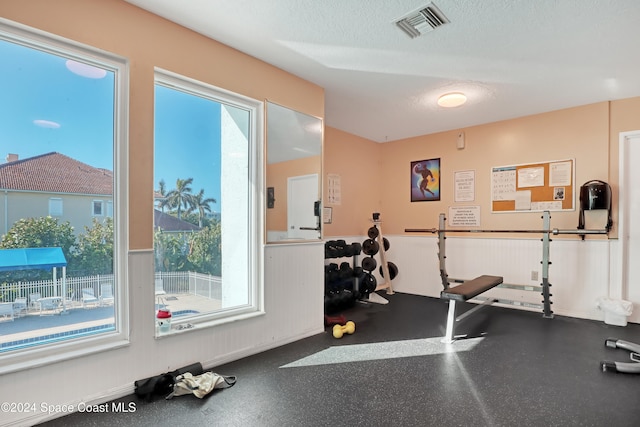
{"x":511,"y":57}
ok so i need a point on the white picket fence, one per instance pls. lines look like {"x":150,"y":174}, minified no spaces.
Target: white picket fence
{"x":181,"y":282}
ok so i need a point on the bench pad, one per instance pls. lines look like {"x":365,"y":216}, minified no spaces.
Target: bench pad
{"x":471,"y":288}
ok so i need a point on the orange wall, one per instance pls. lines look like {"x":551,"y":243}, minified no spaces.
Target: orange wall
{"x":358,"y":163}
{"x":149,"y":41}
{"x":581,"y":133}
{"x":277,"y":174}
{"x":588,"y":134}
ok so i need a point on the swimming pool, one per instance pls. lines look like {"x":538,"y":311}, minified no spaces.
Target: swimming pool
{"x":55,"y":337}
{"x":183,"y":312}
{"x":74,"y":333}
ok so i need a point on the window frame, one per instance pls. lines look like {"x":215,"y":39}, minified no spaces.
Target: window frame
{"x":42,"y":355}
{"x":255,"y":152}
{"x":55,"y":202}
{"x":94,"y":204}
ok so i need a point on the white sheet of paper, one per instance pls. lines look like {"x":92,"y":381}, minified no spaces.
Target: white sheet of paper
{"x":560,"y":174}
{"x":531,"y":177}
{"x":523,"y":200}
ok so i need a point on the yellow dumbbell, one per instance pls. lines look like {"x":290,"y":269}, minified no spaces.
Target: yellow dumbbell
{"x":339,"y":330}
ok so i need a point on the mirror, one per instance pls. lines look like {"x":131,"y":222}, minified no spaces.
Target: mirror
{"x":293,"y":175}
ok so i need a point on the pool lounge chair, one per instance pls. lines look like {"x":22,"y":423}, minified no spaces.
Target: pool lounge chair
{"x":106,"y":294}
{"x":50,"y":305}
{"x":69,"y":301}
{"x":33,"y":301}
{"x":89,"y":297}
{"x":20,"y":306}
{"x":6,"y":310}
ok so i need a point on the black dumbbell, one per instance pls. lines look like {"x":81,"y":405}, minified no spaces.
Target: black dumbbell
{"x":356,"y":248}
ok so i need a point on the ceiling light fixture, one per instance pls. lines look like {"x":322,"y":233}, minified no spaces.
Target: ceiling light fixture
{"x":453,"y":99}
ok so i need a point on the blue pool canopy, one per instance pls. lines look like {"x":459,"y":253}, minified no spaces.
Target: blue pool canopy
{"x":31,"y":258}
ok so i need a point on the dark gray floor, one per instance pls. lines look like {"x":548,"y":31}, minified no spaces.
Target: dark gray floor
{"x":526,"y":371}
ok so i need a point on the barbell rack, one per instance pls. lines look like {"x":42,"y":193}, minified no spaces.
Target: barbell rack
{"x":546,"y":232}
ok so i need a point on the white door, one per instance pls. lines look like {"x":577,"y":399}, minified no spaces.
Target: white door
{"x":630,"y":223}
{"x":302,"y":193}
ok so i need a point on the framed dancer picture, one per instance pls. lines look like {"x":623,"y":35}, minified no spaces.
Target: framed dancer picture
{"x":425,"y":180}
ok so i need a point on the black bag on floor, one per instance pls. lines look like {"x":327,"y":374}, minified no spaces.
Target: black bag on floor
{"x":162,"y":385}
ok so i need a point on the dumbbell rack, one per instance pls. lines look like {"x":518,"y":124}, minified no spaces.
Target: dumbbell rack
{"x":354,"y":261}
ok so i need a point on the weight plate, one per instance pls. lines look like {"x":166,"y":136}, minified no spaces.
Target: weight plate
{"x":393,"y":270}
{"x":373,"y":232}
{"x":370,"y":247}
{"x":369,"y":263}
{"x":368,"y":284}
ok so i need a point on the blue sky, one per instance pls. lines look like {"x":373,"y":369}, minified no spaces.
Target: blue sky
{"x":49,"y":104}
{"x":187,"y":142}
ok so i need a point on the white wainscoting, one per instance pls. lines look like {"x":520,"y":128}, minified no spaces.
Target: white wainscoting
{"x":294,"y":306}
{"x":579,"y":272}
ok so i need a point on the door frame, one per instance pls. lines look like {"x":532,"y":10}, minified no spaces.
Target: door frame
{"x":290,"y":196}
{"x":619,"y":289}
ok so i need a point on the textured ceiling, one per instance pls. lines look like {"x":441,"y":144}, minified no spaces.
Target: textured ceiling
{"x":511,"y":57}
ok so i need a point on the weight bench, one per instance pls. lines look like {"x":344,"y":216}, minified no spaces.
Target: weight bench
{"x":466,"y":291}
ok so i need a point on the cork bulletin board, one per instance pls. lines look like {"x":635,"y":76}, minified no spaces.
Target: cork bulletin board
{"x":534,"y":187}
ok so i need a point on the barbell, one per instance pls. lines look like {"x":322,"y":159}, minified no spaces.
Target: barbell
{"x":554,"y":231}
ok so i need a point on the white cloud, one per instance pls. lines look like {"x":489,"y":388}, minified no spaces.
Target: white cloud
{"x":85,"y":70}
{"x":46,"y":124}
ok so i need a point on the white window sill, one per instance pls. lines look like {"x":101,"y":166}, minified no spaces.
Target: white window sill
{"x":197,"y":325}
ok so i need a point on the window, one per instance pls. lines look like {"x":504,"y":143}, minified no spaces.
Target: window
{"x":97,"y":208}
{"x":56,"y":96}
{"x":55,"y":206}
{"x":207,"y":228}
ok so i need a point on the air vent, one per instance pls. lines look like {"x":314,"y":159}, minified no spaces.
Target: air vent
{"x":422,"y":21}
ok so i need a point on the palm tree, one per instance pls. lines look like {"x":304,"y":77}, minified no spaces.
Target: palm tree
{"x":200,"y":204}
{"x":180,"y":196}
{"x":162,"y":191}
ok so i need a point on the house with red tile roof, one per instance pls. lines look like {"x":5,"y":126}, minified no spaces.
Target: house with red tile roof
{"x":55,"y":185}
